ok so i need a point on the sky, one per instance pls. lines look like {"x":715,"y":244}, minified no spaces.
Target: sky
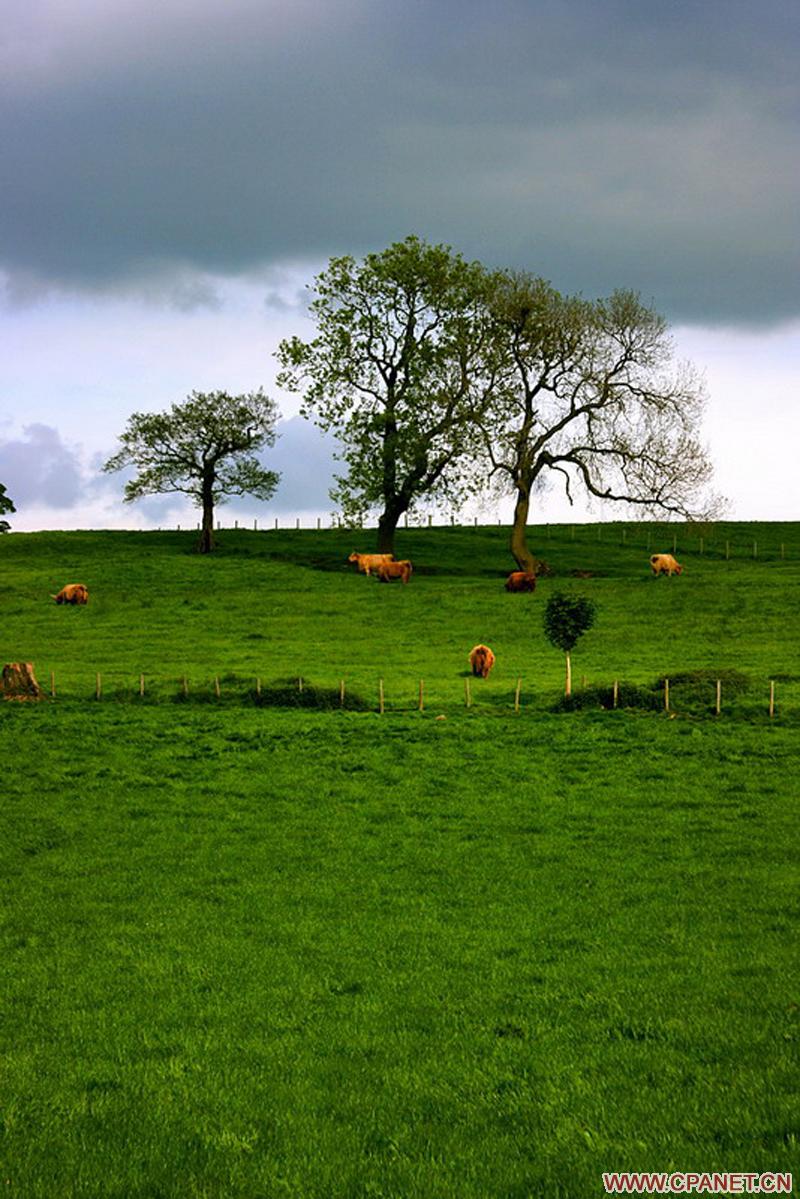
{"x":174,"y":175}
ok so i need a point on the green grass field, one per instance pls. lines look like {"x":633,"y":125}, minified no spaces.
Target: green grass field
{"x":254,"y":951}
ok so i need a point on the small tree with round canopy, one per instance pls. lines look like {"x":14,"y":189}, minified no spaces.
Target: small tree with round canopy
{"x":566,"y":619}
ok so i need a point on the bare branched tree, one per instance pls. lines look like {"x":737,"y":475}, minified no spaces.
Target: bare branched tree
{"x":591,"y":392}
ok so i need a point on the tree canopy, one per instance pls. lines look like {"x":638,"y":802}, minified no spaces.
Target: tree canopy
{"x":566,"y":619}
{"x":204,"y":448}
{"x":590,"y":391}
{"x":398,"y":370}
{"x":5,"y":506}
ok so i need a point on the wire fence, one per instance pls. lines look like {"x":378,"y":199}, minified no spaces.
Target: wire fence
{"x":691,"y":693}
{"x":701,"y":541}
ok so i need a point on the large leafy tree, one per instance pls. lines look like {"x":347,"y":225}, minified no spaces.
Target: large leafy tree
{"x":5,"y":506}
{"x":397,"y":370}
{"x":204,"y":448}
{"x":590,"y":391}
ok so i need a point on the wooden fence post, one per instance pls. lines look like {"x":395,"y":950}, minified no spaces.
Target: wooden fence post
{"x":380,"y":696}
{"x":276,"y":523}
{"x":422,"y":695}
{"x":771,"y":698}
{"x":467,"y":694}
{"x":719,"y":696}
{"x":258,"y":685}
{"x":727,"y":550}
{"x":341,"y":693}
{"x":185,"y":687}
{"x":216,"y":686}
{"x":98,"y":687}
{"x":666,"y":695}
{"x":516,"y":695}
{"x":53,"y":683}
{"x":616,"y":692}
{"x":300,"y":686}
{"x":141,"y":686}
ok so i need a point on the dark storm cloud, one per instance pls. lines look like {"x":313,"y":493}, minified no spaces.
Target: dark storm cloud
{"x":38,"y":468}
{"x":600,"y":144}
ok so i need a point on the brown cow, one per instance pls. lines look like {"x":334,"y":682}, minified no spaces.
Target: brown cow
{"x":387,"y":571}
{"x":521,"y":580}
{"x":481,"y":659}
{"x":368,"y":562}
{"x":73,"y":593}
{"x":665,"y":562}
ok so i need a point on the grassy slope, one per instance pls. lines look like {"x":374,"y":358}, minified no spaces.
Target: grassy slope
{"x":260,"y":953}
{"x":285,"y":604}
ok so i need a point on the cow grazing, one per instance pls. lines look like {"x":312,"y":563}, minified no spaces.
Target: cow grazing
{"x":369,"y":562}
{"x":73,"y":593}
{"x":388,"y":571}
{"x":521,"y":580}
{"x":481,"y":659}
{"x":665,"y":562}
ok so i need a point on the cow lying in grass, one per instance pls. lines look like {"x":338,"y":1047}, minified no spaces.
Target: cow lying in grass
{"x":665,"y":562}
{"x":388,"y":571}
{"x":481,"y":659}
{"x":73,"y":593}
{"x":368,"y":562}
{"x":521,"y":580}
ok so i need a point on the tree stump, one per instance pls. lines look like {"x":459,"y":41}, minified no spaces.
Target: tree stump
{"x":18,"y":681}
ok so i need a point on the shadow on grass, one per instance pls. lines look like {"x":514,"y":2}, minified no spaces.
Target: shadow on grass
{"x":281,"y":693}
{"x":691,"y":691}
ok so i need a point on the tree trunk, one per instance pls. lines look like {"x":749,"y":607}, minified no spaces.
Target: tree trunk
{"x":519,"y":545}
{"x":568,"y":683}
{"x":206,"y":543}
{"x":387,"y":526}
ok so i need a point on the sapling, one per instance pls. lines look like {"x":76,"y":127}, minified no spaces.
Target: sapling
{"x":566,"y":619}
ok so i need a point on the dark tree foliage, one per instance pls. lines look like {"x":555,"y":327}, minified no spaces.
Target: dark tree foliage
{"x":398,"y":372}
{"x":203,"y":448}
{"x":5,"y":506}
{"x":566,"y":619}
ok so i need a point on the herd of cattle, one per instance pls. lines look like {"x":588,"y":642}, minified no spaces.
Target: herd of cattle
{"x":387,"y":569}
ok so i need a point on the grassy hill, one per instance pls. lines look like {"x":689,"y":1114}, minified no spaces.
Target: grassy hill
{"x":283,"y":952}
{"x":287,"y":604}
